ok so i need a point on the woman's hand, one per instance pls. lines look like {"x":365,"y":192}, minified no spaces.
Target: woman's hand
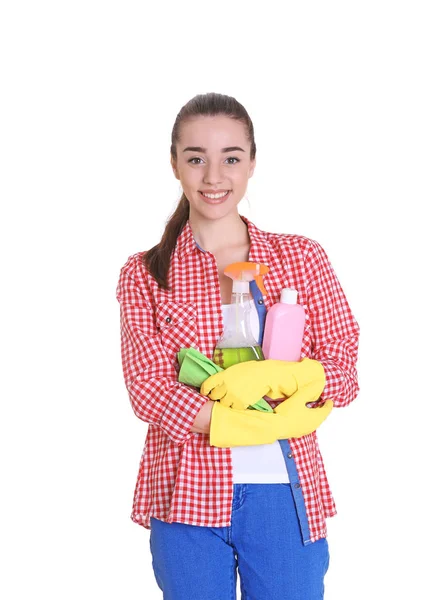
{"x":202,"y":422}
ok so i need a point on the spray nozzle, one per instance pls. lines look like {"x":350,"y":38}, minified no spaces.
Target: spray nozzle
{"x":247,"y":271}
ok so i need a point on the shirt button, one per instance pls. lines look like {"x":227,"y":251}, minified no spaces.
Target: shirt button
{"x":297,"y":486}
{"x":289,"y":455}
{"x":261,"y":301}
{"x":168,"y":319}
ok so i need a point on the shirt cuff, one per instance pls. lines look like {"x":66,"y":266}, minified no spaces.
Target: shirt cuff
{"x":180,"y":413}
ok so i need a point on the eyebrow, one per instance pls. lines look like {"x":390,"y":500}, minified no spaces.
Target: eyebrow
{"x":199,"y":149}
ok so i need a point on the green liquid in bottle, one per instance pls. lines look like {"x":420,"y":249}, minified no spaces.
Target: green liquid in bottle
{"x":226,"y":357}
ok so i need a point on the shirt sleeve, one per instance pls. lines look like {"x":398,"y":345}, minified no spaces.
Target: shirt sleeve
{"x":334,"y":328}
{"x":155,"y":394}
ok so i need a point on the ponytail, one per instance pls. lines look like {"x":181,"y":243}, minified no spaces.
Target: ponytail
{"x":158,"y":259}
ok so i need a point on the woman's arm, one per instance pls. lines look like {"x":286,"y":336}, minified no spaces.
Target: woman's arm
{"x":335,"y":332}
{"x":155,"y":394}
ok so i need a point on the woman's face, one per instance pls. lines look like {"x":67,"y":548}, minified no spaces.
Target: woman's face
{"x":213,"y":157}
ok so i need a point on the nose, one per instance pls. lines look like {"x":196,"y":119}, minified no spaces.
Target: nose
{"x":212,"y":174}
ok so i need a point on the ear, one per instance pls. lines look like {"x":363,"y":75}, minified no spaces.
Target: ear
{"x":252,"y":167}
{"x":174,"y":168}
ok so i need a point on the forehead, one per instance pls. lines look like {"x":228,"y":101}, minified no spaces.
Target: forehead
{"x":213,"y":132}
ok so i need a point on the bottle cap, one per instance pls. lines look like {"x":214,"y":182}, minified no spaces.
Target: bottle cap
{"x":241,"y":287}
{"x":289,"y":296}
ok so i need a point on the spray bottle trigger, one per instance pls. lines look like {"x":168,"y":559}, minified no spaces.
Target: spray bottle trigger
{"x":246,"y":271}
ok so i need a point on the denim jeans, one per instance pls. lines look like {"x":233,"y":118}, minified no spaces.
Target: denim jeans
{"x":263,"y":543}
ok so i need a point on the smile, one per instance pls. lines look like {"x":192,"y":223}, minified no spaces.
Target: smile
{"x":216,"y":198}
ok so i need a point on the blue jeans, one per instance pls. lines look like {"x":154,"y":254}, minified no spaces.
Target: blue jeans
{"x":263,"y":542}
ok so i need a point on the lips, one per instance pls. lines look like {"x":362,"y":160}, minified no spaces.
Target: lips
{"x":215,"y":200}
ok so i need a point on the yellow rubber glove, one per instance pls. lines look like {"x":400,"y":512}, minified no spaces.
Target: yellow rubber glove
{"x":230,"y":427}
{"x":245,"y":383}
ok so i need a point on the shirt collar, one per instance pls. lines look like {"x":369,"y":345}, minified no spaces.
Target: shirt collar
{"x":258,"y":251}
{"x":186,"y":242}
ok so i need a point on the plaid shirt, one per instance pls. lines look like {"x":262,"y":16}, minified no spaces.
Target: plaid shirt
{"x":181,"y":477}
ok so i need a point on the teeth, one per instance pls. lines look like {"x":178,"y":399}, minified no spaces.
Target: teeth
{"x":215,"y":196}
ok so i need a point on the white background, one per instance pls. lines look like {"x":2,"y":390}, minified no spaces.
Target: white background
{"x":342,"y":99}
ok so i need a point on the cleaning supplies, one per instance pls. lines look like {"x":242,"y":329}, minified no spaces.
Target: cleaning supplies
{"x":237,"y":343}
{"x":231,"y":427}
{"x":284,"y":328}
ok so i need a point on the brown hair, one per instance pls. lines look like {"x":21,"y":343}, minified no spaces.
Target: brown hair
{"x":157,"y":260}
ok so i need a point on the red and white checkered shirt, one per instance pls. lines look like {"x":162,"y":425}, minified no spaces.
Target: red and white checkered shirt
{"x":181,"y":477}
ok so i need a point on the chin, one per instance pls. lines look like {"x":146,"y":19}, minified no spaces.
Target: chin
{"x":218,"y":211}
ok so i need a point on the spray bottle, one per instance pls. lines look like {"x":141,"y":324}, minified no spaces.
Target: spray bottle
{"x":237,"y":342}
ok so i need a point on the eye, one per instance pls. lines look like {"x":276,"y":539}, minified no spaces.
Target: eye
{"x":234,"y":160}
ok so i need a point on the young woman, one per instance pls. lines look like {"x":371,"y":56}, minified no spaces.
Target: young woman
{"x":215,"y":507}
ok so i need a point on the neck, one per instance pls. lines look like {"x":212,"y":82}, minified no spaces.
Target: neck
{"x":221,"y":233}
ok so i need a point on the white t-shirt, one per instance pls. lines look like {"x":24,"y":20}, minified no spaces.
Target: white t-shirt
{"x":256,"y":464}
